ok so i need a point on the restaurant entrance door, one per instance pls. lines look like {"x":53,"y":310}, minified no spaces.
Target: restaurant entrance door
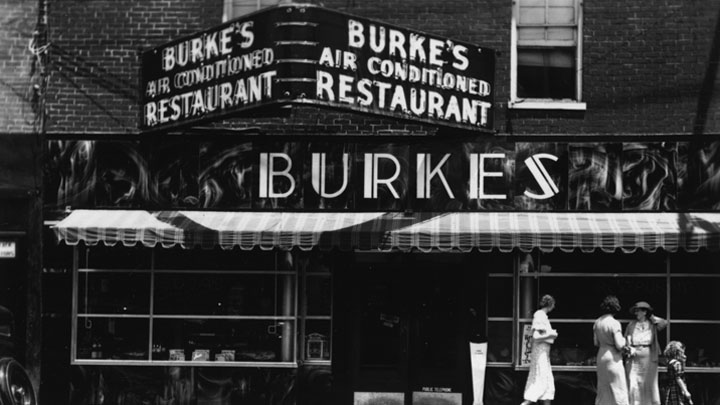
{"x":410,"y":331}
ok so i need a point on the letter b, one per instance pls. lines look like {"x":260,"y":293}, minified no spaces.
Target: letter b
{"x":268,"y":173}
{"x":355,"y":34}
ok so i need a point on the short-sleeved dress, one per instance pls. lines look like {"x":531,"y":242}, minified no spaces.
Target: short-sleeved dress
{"x":540,"y":384}
{"x":674,"y":395}
{"x":611,"y":384}
{"x":642,"y":369}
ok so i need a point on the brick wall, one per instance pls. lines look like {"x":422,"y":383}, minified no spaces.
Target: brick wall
{"x":645,"y":64}
{"x":94,"y":61}
{"x":17,"y":22}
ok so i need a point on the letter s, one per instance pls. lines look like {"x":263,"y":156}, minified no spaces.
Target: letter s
{"x":541,"y":176}
{"x":247,"y":34}
{"x":461,"y":59}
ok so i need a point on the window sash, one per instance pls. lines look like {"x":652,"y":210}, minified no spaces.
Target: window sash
{"x":534,"y":26}
{"x":238,"y":8}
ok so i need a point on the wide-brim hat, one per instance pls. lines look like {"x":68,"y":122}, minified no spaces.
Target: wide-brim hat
{"x":640,"y":305}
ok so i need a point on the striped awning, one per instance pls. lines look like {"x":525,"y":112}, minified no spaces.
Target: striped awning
{"x":463,"y":231}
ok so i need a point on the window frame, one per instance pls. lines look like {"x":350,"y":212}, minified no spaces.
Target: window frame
{"x":666,"y":274}
{"x":150,"y":316}
{"x":545,"y":103}
{"x":307,"y":274}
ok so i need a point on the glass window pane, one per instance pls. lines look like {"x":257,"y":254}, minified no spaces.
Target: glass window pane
{"x":317,"y":339}
{"x":219,"y":294}
{"x":547,"y":73}
{"x":532,"y":15}
{"x":580,"y":298}
{"x":240,"y":10}
{"x":561,"y":15}
{"x":214,"y":259}
{"x":532,"y":3}
{"x":318,"y":295}
{"x":500,"y":296}
{"x":561,"y":34}
{"x":112,"y":338}
{"x":317,"y":262}
{"x":531,"y":33}
{"x":560,"y":262}
{"x":114,"y":293}
{"x":239,"y":340}
{"x":695,"y":262}
{"x":551,"y":58}
{"x":498,"y":264}
{"x":104,"y":257}
{"x":573,"y":346}
{"x":500,"y":341}
{"x":701,"y":343}
{"x":694,"y":298}
{"x":561,"y":3}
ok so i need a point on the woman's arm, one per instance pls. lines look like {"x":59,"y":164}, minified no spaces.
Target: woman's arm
{"x":595,"y":339}
{"x":628,"y":332}
{"x":541,"y":335}
{"x":619,"y":339}
{"x":659,"y":323}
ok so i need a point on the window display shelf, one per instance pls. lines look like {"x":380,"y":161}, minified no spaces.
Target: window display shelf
{"x":168,"y":363}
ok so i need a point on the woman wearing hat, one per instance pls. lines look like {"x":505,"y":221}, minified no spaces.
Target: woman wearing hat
{"x":642,"y":366}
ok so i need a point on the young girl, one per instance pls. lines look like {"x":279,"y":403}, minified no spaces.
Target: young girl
{"x":677,"y":393}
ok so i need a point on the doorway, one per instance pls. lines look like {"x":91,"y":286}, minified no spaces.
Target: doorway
{"x":411,"y":324}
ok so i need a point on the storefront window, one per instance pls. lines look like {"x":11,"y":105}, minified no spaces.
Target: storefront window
{"x":701,"y":343}
{"x":500,"y":296}
{"x":680,"y":286}
{"x":579,"y":282}
{"x":106,"y":338}
{"x":192,"y":307}
{"x":223,"y":340}
{"x":317,"y":306}
{"x":113,"y":292}
{"x":694,"y":283}
{"x":500,"y":342}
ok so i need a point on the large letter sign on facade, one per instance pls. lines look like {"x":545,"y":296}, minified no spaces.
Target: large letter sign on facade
{"x":546,"y":183}
{"x":304,"y":54}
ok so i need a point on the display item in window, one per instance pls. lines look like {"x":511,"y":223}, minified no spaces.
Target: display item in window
{"x":201,"y":355}
{"x":608,"y":338}
{"x":642,"y":352}
{"x":225,"y":355}
{"x":677,"y":392}
{"x":177,"y":355}
{"x":540,"y":385}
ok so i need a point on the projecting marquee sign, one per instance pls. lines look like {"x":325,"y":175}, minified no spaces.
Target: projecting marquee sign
{"x":304,"y":54}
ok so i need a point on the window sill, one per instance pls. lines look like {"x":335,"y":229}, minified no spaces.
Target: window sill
{"x":538,"y":104}
{"x":166,"y":363}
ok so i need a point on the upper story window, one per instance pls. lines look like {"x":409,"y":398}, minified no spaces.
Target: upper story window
{"x":238,"y":8}
{"x":546,"y":55}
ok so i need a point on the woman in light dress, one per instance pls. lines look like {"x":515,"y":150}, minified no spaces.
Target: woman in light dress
{"x":540,"y":384}
{"x":642,"y":367}
{"x":608,"y":337}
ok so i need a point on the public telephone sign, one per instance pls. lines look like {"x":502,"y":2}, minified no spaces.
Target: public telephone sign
{"x":7,"y":249}
{"x":304,"y":54}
